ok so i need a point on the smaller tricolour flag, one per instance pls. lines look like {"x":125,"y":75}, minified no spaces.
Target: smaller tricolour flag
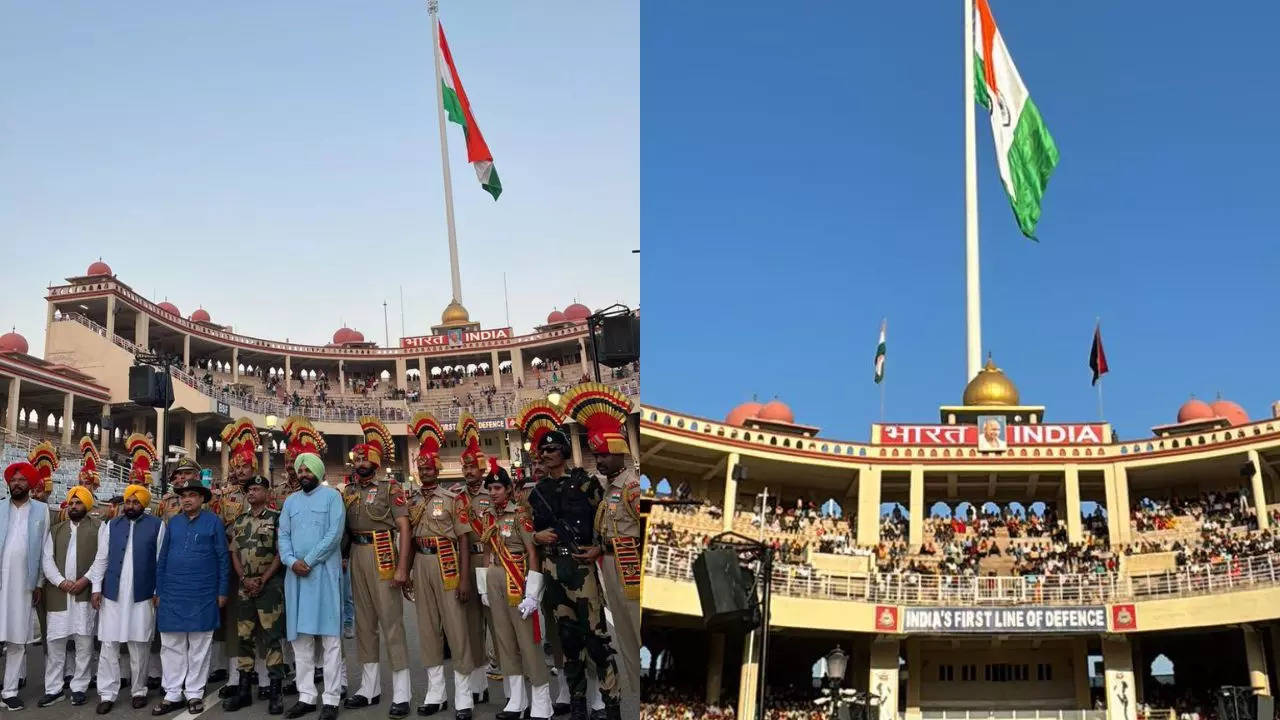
{"x":1097,"y":358}
{"x":880,"y":354}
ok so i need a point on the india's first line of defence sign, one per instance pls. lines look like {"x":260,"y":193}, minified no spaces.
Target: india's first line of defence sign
{"x":1090,"y":618}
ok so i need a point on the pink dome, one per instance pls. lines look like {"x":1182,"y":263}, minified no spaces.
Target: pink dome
{"x":170,"y":308}
{"x":1231,"y":411}
{"x":343,"y":335}
{"x":99,"y":268}
{"x":200,"y":315}
{"x":13,"y":342}
{"x":743,"y":413}
{"x":356,"y":336}
{"x":777,"y":411}
{"x":556,"y":317}
{"x":577,"y":311}
{"x":1194,"y":409}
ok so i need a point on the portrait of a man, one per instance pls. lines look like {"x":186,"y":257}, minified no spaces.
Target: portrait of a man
{"x":991,"y":434}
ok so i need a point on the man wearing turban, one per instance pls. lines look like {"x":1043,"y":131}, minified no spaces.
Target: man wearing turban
{"x":73,"y":565}
{"x":23,"y":524}
{"x":126,"y":601}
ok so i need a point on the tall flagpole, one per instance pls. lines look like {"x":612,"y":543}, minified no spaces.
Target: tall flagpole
{"x":973,"y":302}
{"x":433,"y":7}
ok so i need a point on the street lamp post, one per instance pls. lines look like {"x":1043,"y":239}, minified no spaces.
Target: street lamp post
{"x":833,"y":696}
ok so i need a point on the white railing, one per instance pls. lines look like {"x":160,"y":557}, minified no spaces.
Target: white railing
{"x":911,"y":588}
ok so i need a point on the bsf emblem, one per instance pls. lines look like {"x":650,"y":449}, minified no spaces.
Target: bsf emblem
{"x":886,"y":618}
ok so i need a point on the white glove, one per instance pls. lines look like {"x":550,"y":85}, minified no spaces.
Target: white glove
{"x":482,"y":586}
{"x":532,"y":594}
{"x":528,"y":606}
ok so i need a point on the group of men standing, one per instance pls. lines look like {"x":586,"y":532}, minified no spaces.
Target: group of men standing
{"x":493,"y":566}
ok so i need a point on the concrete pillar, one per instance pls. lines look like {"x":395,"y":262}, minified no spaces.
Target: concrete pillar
{"x":1116,"y":517}
{"x":342,"y":376}
{"x":715,"y":668}
{"x":493,"y":368}
{"x":1117,"y":661}
{"x":1080,"y":673}
{"x":730,"y":491}
{"x":111,"y":316}
{"x":1072,"y":482}
{"x":11,"y":413}
{"x":915,"y":506}
{"x":1257,"y":661}
{"x":869,"y":506}
{"x":235,"y":364}
{"x":582,"y":350}
{"x":517,"y":364}
{"x":186,"y":351}
{"x":265,"y":469}
{"x":1259,"y":494}
{"x":225,"y":462}
{"x":68,"y":415}
{"x":288,"y":374}
{"x":162,"y":447}
{"x":883,"y":680}
{"x":915,"y":677}
{"x":400,"y":371}
{"x":422,"y":375}
{"x":142,"y":330}
{"x":748,"y":680}
{"x":104,"y":435}
{"x":50,"y":308}
{"x":574,"y":432}
{"x":1122,"y":500}
{"x":189,"y":439}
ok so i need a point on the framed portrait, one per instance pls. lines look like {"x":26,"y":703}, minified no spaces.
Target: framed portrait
{"x":991,"y":437}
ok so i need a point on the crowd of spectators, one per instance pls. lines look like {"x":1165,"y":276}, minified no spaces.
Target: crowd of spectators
{"x":664,"y":702}
{"x":1210,"y":510}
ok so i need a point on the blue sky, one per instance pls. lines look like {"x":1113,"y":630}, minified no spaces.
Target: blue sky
{"x":803,"y":178}
{"x":279,"y":163}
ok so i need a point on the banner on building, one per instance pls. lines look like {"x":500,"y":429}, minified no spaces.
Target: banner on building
{"x":994,"y":435}
{"x":1089,"y":618}
{"x":455,"y":338}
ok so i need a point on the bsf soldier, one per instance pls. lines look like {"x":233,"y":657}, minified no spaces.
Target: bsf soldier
{"x":379,"y":570}
{"x":478,"y":502}
{"x":564,"y":507}
{"x":90,"y":479}
{"x":602,"y":410}
{"x":261,"y":608}
{"x":442,"y":578}
{"x":184,"y":473}
{"x":241,"y":440}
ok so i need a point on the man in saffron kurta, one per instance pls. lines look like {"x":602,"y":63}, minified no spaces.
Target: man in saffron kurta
{"x":191,"y":587}
{"x":23,"y":525}
{"x":310,"y":534}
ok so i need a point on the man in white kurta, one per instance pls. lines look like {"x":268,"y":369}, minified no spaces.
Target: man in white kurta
{"x":70,"y":584}
{"x":24,"y":524}
{"x":129,"y":617}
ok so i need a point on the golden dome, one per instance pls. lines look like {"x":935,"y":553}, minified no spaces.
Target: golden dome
{"x":455,"y":314}
{"x":990,"y":387}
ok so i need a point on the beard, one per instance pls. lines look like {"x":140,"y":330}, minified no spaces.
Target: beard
{"x":132,"y":514}
{"x":76,"y":515}
{"x":365,"y":472}
{"x":308,"y":484}
{"x":19,"y":493}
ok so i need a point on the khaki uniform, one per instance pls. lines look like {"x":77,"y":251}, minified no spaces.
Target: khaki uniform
{"x":478,"y":616}
{"x":439,"y":521}
{"x":518,"y":653}
{"x":371,"y":520}
{"x":618,"y":518}
{"x":253,"y":540}
{"x":228,"y":507}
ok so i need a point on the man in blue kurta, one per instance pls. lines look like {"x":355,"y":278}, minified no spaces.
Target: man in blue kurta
{"x":191,"y":585}
{"x":311,"y":526}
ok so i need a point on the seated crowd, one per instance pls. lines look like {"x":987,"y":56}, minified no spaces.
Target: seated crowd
{"x":1213,"y":509}
{"x":659,"y":701}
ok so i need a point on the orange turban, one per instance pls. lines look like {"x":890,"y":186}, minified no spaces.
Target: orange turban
{"x":79,"y":491}
{"x":143,"y":494}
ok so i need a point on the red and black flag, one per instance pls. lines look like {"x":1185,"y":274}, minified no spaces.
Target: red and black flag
{"x":1097,"y":358}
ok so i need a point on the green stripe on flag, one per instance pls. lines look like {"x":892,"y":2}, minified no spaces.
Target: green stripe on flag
{"x":1032,"y":158}
{"x":493,"y":185}
{"x":980,"y":82}
{"x":452,"y":106}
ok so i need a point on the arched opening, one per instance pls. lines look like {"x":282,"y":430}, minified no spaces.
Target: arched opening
{"x":940,"y":510}
{"x":1162,"y":670}
{"x":831,"y":508}
{"x":664,"y":487}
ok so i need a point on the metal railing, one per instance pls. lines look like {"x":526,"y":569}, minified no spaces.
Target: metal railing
{"x":113,"y":477}
{"x":801,"y":581}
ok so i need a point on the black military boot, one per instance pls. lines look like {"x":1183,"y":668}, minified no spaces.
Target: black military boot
{"x":613,"y":712}
{"x":243,"y":696}
{"x":578,"y":709}
{"x":275,"y":702}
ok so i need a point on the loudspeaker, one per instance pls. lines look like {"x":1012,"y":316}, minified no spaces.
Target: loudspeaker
{"x":1239,"y":703}
{"x":150,"y":387}
{"x":724,"y":589}
{"x":619,"y":340}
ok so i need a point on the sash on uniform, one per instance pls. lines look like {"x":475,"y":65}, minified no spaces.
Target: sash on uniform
{"x":448,"y":562}
{"x":626,"y":556}
{"x":385,"y":553}
{"x":515,"y":567}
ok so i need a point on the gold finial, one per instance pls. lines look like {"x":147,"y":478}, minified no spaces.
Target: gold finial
{"x":990,"y":387}
{"x":455,"y":314}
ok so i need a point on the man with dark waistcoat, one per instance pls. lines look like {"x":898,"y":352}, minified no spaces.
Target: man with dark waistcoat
{"x":72,"y":573}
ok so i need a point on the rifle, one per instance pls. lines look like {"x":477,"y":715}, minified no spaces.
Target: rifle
{"x":564,"y":535}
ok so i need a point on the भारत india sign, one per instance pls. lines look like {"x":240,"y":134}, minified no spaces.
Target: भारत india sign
{"x":1005,"y":435}
{"x":1090,"y":618}
{"x":455,"y":338}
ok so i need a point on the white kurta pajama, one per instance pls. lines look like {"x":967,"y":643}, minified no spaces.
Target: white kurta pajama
{"x":17,"y":611}
{"x":124,"y":621}
{"x":78,"y":620}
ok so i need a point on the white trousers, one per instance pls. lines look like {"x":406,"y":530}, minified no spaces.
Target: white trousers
{"x":304,"y":652}
{"x":109,"y":669}
{"x":184,"y":659}
{"x":436,"y":690}
{"x":55,"y":664}
{"x":371,"y":685}
{"x":15,"y":657}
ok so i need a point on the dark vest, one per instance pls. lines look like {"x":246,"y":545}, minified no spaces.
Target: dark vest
{"x":145,"y":533}
{"x":86,"y":548}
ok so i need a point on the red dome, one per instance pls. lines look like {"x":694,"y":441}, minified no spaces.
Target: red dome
{"x":99,"y":268}
{"x":343,"y":335}
{"x":13,"y":342}
{"x":200,"y":315}
{"x":577,"y":311}
{"x":1230,"y":411}
{"x":1194,"y":409}
{"x":170,"y":308}
{"x":556,"y":317}
{"x":743,"y":413}
{"x":356,"y":336}
{"x":777,"y":411}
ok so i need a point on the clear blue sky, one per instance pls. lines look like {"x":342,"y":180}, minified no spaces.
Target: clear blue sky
{"x":803,"y":178}
{"x":279,"y":163}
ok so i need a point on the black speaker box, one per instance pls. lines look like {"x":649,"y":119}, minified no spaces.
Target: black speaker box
{"x":150,"y":387}
{"x":619,"y":340}
{"x":724,"y":589}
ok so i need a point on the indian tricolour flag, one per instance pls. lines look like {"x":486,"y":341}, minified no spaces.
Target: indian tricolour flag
{"x":459,"y":110}
{"x":1025,"y":151}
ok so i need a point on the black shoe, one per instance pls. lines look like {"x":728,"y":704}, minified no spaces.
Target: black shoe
{"x":507,"y":715}
{"x":104,"y":707}
{"x":138,"y":702}
{"x":165,"y":707}
{"x":597,"y":714}
{"x":50,"y":699}
{"x":264,"y":693}
{"x":275,"y":697}
{"x":14,"y":703}
{"x":153,"y":683}
{"x":329,"y":712}
{"x":226,"y":691}
{"x":432,"y":708}
{"x":480,"y":698}
{"x":218,"y":676}
{"x":613,"y":712}
{"x":243,"y":695}
{"x":299,"y":709}
{"x":578,"y":709}
{"x":78,"y":698}
{"x":398,"y":710}
{"x":462,"y":715}
{"x":359,"y":701}
{"x":195,"y":706}
{"x":558,"y":709}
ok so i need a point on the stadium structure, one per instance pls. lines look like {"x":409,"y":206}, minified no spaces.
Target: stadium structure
{"x":989,"y":564}
{"x":96,"y":325}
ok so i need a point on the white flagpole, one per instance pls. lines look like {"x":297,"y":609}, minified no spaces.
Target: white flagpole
{"x":973,"y":303}
{"x":433,"y":7}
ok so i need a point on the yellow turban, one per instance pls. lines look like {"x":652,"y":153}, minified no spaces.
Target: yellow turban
{"x":79,"y":491}
{"x":143,"y":494}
